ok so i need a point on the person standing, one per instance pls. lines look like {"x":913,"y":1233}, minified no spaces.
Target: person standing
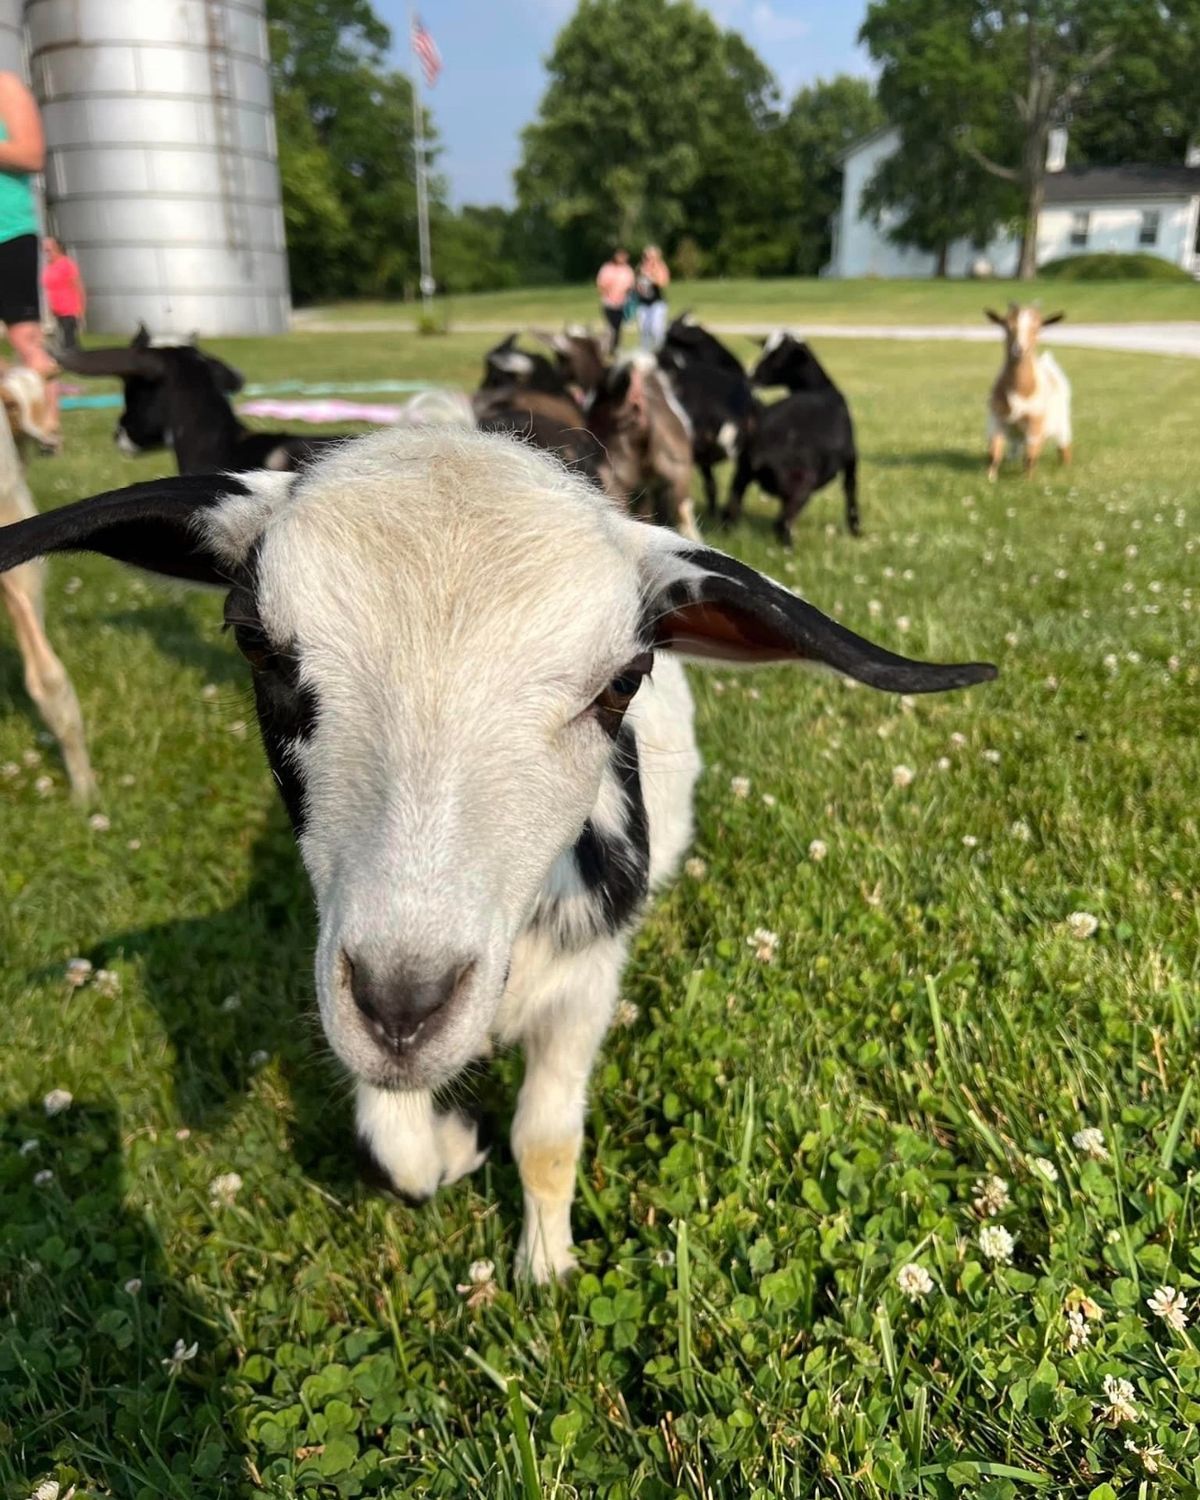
{"x":653,"y":279}
{"x":64,"y":291}
{"x":22,"y":153}
{"x":614,"y":282}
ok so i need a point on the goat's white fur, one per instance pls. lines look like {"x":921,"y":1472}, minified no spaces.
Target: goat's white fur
{"x":46,"y":678}
{"x":419,"y":574}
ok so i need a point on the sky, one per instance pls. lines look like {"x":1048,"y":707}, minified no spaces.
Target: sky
{"x":492,"y":78}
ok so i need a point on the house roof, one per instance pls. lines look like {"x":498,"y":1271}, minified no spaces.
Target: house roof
{"x":1104,"y":184}
{"x":864,"y":140}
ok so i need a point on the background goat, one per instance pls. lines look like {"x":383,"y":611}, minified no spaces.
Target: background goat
{"x":1030,"y":399}
{"x":798,"y":445}
{"x":464,"y":667}
{"x":45,"y":676}
{"x":177,"y":397}
{"x":712,"y":388}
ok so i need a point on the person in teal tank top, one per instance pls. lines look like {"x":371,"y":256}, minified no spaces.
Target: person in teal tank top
{"x":22,"y":153}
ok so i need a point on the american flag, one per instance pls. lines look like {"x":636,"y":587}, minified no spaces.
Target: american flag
{"x":427,"y":53}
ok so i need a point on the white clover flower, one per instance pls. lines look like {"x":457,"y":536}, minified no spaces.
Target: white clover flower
{"x":9,"y":770}
{"x":874,"y":608}
{"x":31,"y":757}
{"x":996,"y":1243}
{"x":134,"y":845}
{"x":664,"y":1257}
{"x":1149,"y":1455}
{"x":991,"y":756}
{"x":57,"y":1100}
{"x":183,"y":1133}
{"x":98,"y":823}
{"x":970,"y":841}
{"x":43,"y":1178}
{"x":27,"y":1148}
{"x":626,"y":1013}
{"x":943,"y":762}
{"x":914,"y":1281}
{"x":480,"y":1287}
{"x":133,"y":1286}
{"x":1051,"y":682}
{"x":768,"y":800}
{"x":1171,"y":1307}
{"x":817,"y":850}
{"x":44,"y":786}
{"x":222,"y":1190}
{"x":107,"y":983}
{"x":958,"y":739}
{"x":764,"y":942}
{"x":231,"y":1003}
{"x":903,"y":776}
{"x":1012,"y":638}
{"x":49,"y":1489}
{"x":1082,"y":924}
{"x":1021,"y":831}
{"x":1044,"y":1168}
{"x":1118,"y":1404}
{"x":259,"y":1058}
{"x":179,"y":1356}
{"x":1110,"y":662}
{"x":740,"y":787}
{"x":209,"y":691}
{"x":1078,"y":1332}
{"x":695,"y":868}
{"x":903,"y":624}
{"x":77,"y":972}
{"x":1091,"y":1142}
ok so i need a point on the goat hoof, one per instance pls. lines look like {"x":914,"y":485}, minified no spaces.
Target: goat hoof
{"x":544,"y":1265}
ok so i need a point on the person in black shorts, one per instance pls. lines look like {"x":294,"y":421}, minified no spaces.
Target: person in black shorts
{"x":22,"y":153}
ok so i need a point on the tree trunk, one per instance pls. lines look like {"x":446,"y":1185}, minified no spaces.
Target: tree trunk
{"x":1034,"y":182}
{"x":943,"y":257}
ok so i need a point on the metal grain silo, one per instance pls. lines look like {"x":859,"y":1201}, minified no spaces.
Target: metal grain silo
{"x":161,"y":174}
{"x":12,"y":47}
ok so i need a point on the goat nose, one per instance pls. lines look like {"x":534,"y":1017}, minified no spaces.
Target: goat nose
{"x":403,"y":1004}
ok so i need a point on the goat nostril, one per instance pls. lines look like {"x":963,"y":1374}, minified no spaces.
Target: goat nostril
{"x":403,"y":1003}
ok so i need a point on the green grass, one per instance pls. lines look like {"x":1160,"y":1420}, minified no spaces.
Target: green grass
{"x":767,"y":1144}
{"x":811,"y":301}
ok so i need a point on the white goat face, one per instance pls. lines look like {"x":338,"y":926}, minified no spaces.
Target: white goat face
{"x":435,"y":717}
{"x":445,"y":630}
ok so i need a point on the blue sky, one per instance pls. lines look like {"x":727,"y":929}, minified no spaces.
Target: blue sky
{"x":493,"y":76}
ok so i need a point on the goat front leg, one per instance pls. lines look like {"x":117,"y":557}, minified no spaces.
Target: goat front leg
{"x":417,"y":1148}
{"x":996,"y":446}
{"x":560,"y":1044}
{"x":46,"y":678}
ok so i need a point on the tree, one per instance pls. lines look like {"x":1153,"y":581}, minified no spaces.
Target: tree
{"x":824,"y":121}
{"x":651,"y":128}
{"x":992,"y":78}
{"x":932,"y":79}
{"x":344,"y":121}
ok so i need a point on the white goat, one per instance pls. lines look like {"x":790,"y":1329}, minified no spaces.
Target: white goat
{"x":23,"y":395}
{"x":1030,"y":400}
{"x":487,"y":765}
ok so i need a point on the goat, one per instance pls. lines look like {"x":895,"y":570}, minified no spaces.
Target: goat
{"x":647,"y":439}
{"x":712,"y":388}
{"x":796,"y":446}
{"x":506,"y":366}
{"x":553,"y":423}
{"x":46,"y":680}
{"x":177,"y":397}
{"x":465,"y":671}
{"x":1030,"y":399}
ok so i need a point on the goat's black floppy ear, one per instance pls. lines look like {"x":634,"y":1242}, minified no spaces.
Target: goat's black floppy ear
{"x":995,"y":317}
{"x":1053,"y":318}
{"x":705,"y":604}
{"x":150,"y":525}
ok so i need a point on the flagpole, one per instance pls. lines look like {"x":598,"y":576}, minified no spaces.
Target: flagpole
{"x":427,"y":283}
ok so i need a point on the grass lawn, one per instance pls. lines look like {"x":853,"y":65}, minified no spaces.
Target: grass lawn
{"x":768,"y":1143}
{"x":809,"y":300}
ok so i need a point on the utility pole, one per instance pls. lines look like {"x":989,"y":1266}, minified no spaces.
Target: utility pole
{"x":428,"y":285}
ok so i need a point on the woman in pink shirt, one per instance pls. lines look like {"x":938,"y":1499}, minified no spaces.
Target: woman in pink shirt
{"x":64,"y":291}
{"x":614,"y":282}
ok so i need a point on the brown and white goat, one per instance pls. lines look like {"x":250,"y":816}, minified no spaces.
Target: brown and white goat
{"x":1030,"y":400}
{"x":29,"y":420}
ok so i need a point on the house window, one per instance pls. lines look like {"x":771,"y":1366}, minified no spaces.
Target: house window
{"x":1080,"y":223}
{"x":1148,"y":234}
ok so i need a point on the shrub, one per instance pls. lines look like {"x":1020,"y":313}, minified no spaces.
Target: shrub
{"x":1112,"y":266}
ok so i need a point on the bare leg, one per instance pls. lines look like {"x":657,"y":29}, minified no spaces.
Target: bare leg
{"x":418,"y":1148}
{"x":46,"y":678}
{"x":547,"y":1131}
{"x":29,"y":347}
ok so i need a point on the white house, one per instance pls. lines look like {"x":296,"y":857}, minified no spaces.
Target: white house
{"x":1087,"y":209}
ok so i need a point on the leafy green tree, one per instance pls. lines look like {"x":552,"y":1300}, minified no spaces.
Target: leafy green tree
{"x":824,"y":120}
{"x":650,"y":129}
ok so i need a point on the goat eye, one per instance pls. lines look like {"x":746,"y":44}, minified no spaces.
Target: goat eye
{"x":252,"y":642}
{"x":620,"y":692}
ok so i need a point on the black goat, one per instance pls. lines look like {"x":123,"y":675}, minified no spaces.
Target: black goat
{"x":693,"y":342}
{"x":712,"y":388}
{"x":798,"y":445}
{"x":177,"y":397}
{"x":507,"y":366}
